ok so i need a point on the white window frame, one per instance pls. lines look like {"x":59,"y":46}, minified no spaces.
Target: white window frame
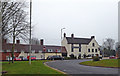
{"x":50,"y":50}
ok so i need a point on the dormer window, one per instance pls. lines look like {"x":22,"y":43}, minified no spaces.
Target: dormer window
{"x":93,"y":44}
{"x":50,"y":50}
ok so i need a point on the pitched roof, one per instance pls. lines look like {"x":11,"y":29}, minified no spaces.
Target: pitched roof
{"x":36,"y":48}
{"x":78,"y":40}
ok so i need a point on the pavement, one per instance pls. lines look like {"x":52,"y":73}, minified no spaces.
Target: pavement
{"x":73,"y":67}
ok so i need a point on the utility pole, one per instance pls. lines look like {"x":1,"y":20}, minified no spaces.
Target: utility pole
{"x":30,"y":32}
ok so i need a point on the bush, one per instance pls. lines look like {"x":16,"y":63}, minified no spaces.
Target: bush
{"x":96,"y":58}
{"x":67,"y":58}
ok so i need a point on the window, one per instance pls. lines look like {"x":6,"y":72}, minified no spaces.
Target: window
{"x":93,"y":44}
{"x":95,"y":50}
{"x":15,"y":51}
{"x":72,"y":48}
{"x":40,"y":51}
{"x":33,"y":51}
{"x":41,"y":56}
{"x":79,"y":49}
{"x":8,"y":50}
{"x":89,"y":55}
{"x":88,"y":50}
{"x":58,"y":50}
{"x":92,"y":50}
{"x":50,"y":50}
{"x":92,"y":54}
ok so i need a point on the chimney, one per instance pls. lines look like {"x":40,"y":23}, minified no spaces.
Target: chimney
{"x":92,"y":37}
{"x":18,"y":41}
{"x":41,"y":42}
{"x":64,"y":34}
{"x":72,"y":35}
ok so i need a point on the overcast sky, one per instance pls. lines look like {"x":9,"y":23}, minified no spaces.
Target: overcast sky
{"x":83,"y":18}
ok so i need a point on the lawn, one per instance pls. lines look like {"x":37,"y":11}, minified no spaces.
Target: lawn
{"x":103,"y":63}
{"x":23,"y":67}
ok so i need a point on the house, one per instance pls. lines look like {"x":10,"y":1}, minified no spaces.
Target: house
{"x":40,"y":51}
{"x":81,"y":47}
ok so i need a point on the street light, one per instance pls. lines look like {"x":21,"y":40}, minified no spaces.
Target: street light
{"x":30,"y":32}
{"x":61,"y":37}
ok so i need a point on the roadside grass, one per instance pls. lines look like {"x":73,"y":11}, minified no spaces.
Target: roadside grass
{"x":23,"y":67}
{"x":103,"y":63}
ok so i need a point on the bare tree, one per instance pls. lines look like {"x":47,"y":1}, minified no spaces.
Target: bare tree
{"x":35,"y":41}
{"x":117,"y":45}
{"x":14,"y":22}
{"x":109,"y":43}
{"x":108,"y":46}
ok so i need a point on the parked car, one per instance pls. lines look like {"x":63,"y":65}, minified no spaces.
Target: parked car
{"x":32,"y":57}
{"x":112,"y":57}
{"x":55,"y":57}
{"x":49,"y":57}
{"x":23,"y":58}
{"x":17,"y":59}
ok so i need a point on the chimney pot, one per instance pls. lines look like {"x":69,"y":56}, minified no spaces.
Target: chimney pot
{"x":41,"y":42}
{"x":72,"y":35}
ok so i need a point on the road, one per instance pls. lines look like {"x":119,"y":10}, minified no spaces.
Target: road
{"x":73,"y":67}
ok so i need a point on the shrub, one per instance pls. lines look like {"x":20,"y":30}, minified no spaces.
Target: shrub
{"x":67,"y":58}
{"x":96,"y":58}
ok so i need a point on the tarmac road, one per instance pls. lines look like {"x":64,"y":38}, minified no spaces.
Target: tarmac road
{"x":73,"y":67}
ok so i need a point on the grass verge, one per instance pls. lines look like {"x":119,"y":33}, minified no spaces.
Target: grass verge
{"x":23,"y":67}
{"x":113,"y":63}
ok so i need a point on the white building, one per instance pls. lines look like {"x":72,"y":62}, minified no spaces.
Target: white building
{"x":80,"y":47}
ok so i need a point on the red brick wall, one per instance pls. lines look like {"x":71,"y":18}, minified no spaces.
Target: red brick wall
{"x":7,"y":54}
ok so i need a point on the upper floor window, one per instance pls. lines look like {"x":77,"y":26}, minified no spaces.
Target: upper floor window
{"x":93,"y":44}
{"x":92,"y":50}
{"x":58,"y":50}
{"x":95,"y":50}
{"x":50,"y":50}
{"x":88,"y":50}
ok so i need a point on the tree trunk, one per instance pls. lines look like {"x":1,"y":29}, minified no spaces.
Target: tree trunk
{"x":13,"y":46}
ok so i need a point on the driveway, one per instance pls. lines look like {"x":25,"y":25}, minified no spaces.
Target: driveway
{"x":73,"y":67}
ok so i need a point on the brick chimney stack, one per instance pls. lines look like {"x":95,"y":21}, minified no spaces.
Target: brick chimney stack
{"x":41,"y":42}
{"x":92,"y":37}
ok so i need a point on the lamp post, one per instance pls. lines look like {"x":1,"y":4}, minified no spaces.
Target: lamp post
{"x":61,"y":37}
{"x":30,"y":32}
